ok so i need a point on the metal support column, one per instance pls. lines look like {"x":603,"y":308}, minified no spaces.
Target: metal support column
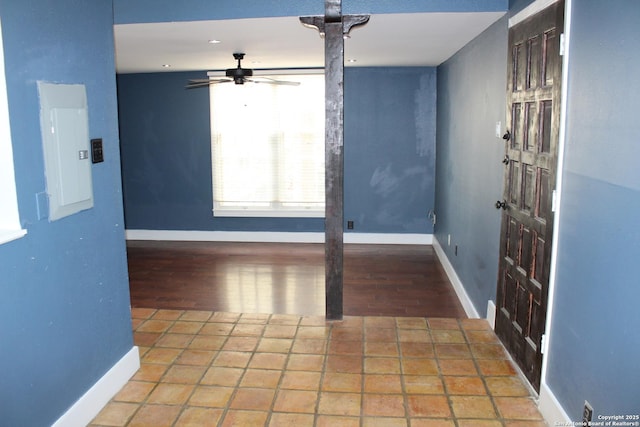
{"x":333,"y":26}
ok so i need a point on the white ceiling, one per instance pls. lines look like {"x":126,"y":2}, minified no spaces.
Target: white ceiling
{"x":416,"y":39}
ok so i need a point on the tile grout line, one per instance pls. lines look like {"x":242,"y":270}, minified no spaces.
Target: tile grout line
{"x":173,"y":363}
{"x":283,"y":370}
{"x":476,"y":364}
{"x":225,"y":408}
{"x":441,"y":377}
{"x":141,"y":404}
{"x":330,"y":336}
{"x":184,"y":406}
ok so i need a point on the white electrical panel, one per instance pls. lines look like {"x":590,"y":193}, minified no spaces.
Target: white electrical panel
{"x":65,"y":136}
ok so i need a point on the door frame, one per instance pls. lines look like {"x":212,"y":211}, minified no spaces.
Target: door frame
{"x":548,"y":404}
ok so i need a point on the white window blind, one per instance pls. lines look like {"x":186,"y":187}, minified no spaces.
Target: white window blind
{"x":267,"y":145}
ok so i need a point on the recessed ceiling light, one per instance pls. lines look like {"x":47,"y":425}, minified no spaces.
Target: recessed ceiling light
{"x":214,"y":41}
{"x":352,"y":60}
{"x":166,"y":65}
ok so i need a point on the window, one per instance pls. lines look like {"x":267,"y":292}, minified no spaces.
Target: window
{"x":267,"y":145}
{"x":10,"y":228}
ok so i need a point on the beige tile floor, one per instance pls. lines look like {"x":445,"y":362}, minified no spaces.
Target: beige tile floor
{"x":201,"y":368}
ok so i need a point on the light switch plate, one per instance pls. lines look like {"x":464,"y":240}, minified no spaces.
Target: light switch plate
{"x":96,"y":151}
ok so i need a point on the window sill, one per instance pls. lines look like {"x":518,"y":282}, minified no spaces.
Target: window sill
{"x":246,"y":213}
{"x":9,"y":235}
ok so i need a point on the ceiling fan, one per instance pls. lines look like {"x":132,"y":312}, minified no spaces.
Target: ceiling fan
{"x":238,"y":76}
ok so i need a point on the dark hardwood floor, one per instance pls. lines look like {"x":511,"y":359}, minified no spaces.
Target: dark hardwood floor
{"x":288,"y":278}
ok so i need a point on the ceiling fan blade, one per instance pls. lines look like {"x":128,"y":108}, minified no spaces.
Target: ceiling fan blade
{"x":271,"y":81}
{"x":192,"y":84}
{"x":196,"y":85}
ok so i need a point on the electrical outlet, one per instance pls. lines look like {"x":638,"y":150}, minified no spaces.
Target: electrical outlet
{"x":432,"y":216}
{"x":349,"y":225}
{"x":587,"y":414}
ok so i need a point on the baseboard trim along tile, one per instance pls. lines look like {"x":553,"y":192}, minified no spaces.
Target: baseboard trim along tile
{"x":551,"y":410}
{"x":491,"y":314}
{"x":468,"y":306}
{"x":91,"y":403}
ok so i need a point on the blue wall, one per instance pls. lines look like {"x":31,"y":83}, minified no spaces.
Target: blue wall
{"x":133,"y":11}
{"x":390,"y":148}
{"x":64,"y":297}
{"x":157,"y":204}
{"x":166,"y":159}
{"x":594,"y":335}
{"x":389,"y":154}
{"x":64,"y":311}
{"x":594,"y":338}
{"x":471,"y":99}
{"x":516,"y":6}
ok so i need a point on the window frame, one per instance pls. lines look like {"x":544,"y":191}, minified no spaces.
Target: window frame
{"x":10,"y":228}
{"x":275,"y":209}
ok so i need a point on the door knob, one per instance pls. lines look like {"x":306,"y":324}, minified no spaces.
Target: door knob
{"x":501,"y":204}
{"x":507,"y":135}
{"x":506,"y":159}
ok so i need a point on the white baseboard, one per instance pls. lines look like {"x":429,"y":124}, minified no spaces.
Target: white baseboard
{"x":277,"y":237}
{"x":551,"y":410}
{"x":548,"y":405}
{"x":389,"y":238}
{"x":491,"y":314}
{"x":224,"y":236}
{"x":468,"y":306}
{"x":91,"y":403}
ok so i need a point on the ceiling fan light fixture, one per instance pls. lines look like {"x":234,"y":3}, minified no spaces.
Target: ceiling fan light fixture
{"x":238,"y":76}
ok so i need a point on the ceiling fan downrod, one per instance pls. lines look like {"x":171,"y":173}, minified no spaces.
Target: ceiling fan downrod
{"x":239,"y":74}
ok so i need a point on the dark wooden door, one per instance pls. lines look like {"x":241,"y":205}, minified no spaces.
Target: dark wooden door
{"x":533,"y":100}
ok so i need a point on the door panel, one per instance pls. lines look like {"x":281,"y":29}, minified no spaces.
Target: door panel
{"x":533,"y":95}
